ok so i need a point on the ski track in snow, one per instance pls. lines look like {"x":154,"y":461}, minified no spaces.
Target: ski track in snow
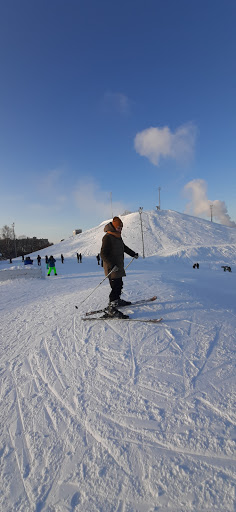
{"x":118,"y":417}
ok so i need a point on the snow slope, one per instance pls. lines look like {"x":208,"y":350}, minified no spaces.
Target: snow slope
{"x":166,"y":233}
{"x":122,"y":417}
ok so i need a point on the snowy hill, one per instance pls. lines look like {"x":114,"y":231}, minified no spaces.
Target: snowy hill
{"x":166,"y":234}
{"x":119,"y":416}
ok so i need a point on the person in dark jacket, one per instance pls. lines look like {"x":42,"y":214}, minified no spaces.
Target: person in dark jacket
{"x":98,"y":258}
{"x":51,"y":264}
{"x":62,"y":258}
{"x":112,"y":254}
{"x":28,"y":261}
{"x":39,"y":260}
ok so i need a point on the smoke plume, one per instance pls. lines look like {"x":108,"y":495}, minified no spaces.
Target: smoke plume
{"x":199,"y":204}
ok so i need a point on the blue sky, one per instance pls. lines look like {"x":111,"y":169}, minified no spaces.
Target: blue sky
{"x":104,"y":100}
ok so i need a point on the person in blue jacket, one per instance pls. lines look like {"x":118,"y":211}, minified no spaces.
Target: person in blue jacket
{"x":51,"y":265}
{"x":28,"y":261}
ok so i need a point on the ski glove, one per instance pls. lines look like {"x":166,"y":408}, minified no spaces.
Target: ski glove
{"x":115,"y":268}
{"x":136,"y":256}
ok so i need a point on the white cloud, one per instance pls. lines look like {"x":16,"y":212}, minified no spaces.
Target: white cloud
{"x":50,"y":190}
{"x":91,"y":200}
{"x":116,"y":102}
{"x":56,"y":204}
{"x":156,"y":143}
{"x":49,"y":180}
{"x":199,"y":204}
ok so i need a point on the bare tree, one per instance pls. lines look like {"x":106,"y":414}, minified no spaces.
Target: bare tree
{"x":7,"y":232}
{"x":7,"y":241}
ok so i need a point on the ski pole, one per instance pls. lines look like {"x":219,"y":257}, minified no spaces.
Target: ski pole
{"x":129,"y":263}
{"x":101,"y":283}
{"x":94,"y":289}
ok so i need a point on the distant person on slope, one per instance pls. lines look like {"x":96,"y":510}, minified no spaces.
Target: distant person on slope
{"x":112,"y":254}
{"x":51,"y":264}
{"x":28,"y":261}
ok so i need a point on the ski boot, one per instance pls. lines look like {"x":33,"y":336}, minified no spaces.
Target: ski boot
{"x":122,"y":302}
{"x":119,"y":302}
{"x":112,"y":312}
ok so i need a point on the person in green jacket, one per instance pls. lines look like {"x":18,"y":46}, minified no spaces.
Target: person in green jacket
{"x":112,"y":254}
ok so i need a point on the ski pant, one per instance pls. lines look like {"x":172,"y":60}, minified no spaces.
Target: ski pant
{"x":50,"y":270}
{"x":116,"y":287}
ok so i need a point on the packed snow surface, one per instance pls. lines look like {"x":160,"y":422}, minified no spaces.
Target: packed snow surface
{"x":116,"y":416}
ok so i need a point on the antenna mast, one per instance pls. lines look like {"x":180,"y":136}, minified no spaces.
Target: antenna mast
{"x":159,"y":189}
{"x":14,"y":238}
{"x":211,"y":208}
{"x":140,"y":213}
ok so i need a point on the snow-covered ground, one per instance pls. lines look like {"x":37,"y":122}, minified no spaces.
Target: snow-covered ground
{"x":120,"y":416}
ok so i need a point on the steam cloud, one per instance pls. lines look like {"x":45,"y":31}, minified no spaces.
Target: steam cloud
{"x":200,"y":205}
{"x":155,"y":143}
{"x":116,"y":102}
{"x":91,"y":200}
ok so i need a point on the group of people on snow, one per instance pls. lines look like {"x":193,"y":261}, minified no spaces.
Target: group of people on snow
{"x":112,"y":259}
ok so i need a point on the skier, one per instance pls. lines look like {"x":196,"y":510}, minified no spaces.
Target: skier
{"x":98,"y":258}
{"x":39,"y":260}
{"x":112,"y":254}
{"x":62,"y":258}
{"x":51,"y":263}
{"x":80,"y":257}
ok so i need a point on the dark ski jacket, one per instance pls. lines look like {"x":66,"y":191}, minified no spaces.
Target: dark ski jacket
{"x":112,"y":252}
{"x":28,"y":261}
{"x":51,"y":262}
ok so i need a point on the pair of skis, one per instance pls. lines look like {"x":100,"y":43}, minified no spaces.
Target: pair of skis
{"x":89,"y":314}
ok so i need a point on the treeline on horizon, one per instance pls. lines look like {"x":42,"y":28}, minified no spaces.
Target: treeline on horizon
{"x":11,"y":246}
